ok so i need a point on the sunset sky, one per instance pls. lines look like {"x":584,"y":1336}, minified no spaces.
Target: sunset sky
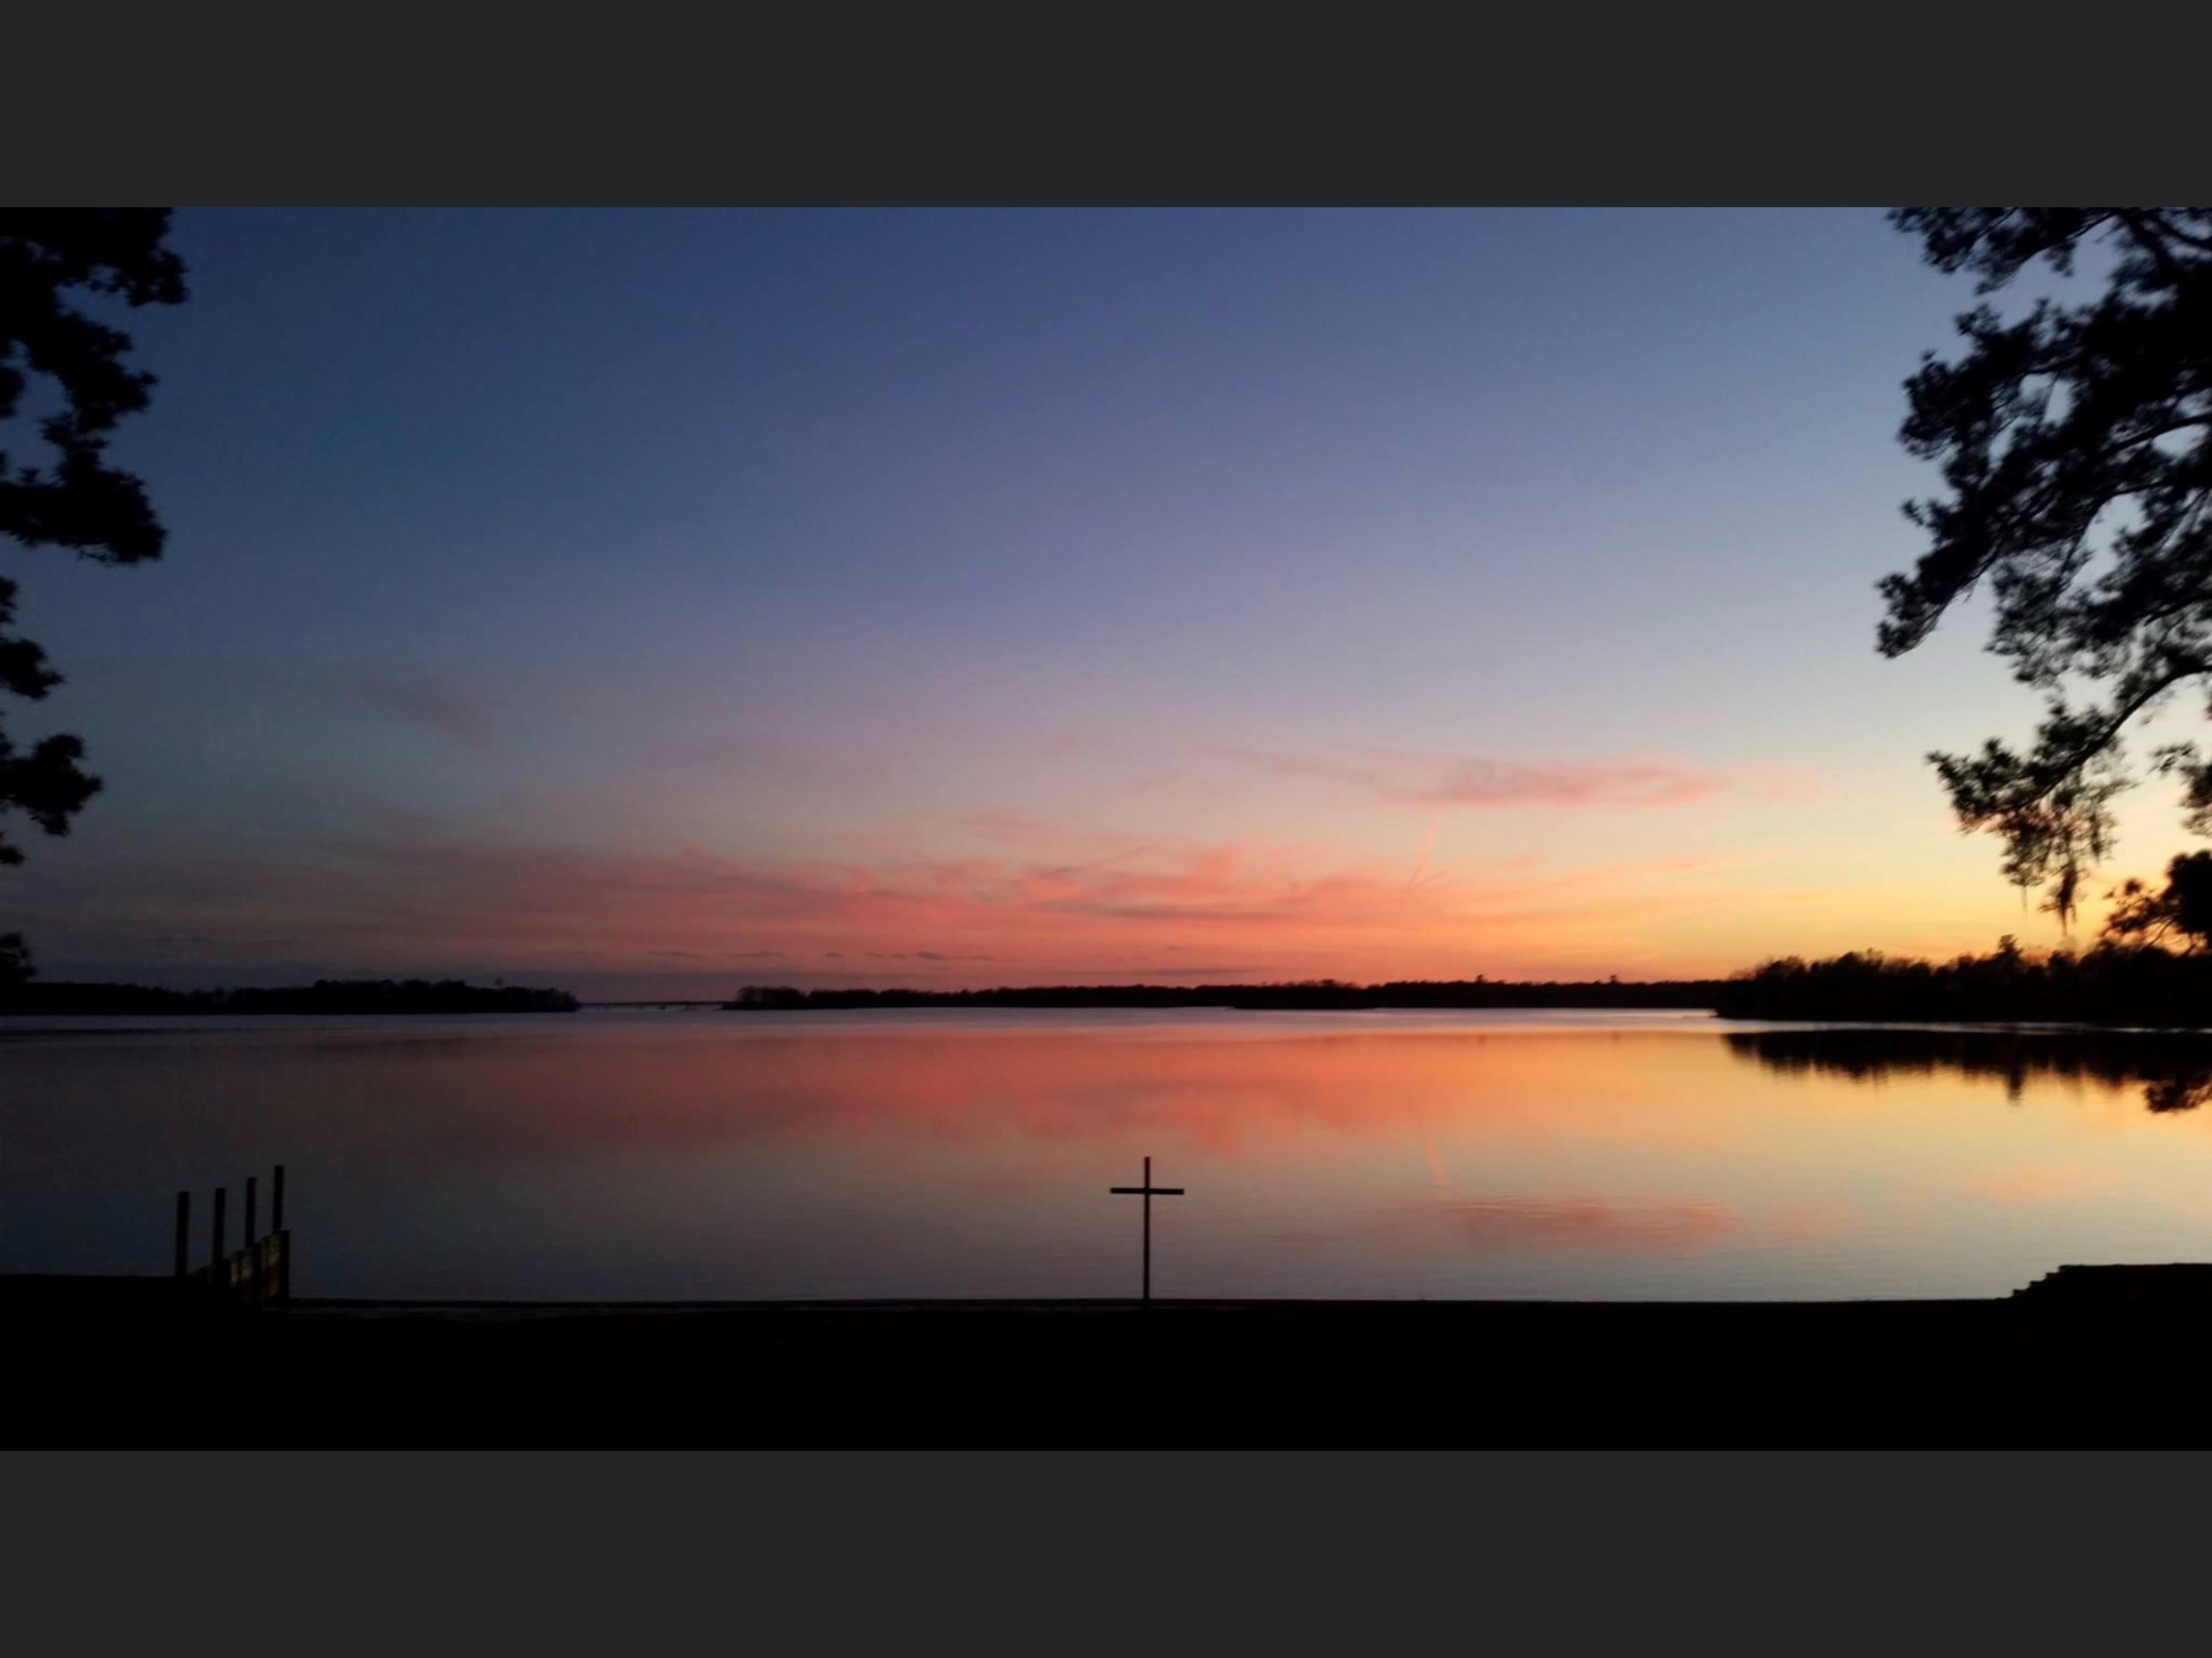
{"x":650,"y":603}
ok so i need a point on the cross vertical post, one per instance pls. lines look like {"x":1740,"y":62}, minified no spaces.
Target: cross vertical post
{"x":1148,"y":1192}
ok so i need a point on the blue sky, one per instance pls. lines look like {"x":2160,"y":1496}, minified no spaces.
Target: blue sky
{"x":758,"y":591}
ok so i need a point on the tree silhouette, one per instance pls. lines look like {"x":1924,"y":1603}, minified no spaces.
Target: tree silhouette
{"x":2182,"y":906}
{"x":2118,"y":982}
{"x":76,"y":500}
{"x":2073,"y":443}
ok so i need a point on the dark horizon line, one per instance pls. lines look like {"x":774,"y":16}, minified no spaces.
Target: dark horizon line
{"x":1480,"y":992}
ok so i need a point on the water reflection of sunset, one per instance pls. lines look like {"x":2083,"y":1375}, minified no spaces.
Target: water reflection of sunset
{"x":725,"y":1156}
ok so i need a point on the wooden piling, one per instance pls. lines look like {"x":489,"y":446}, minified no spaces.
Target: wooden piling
{"x":249,"y":1240}
{"x":215,"y":1266}
{"x":277,"y":1200}
{"x":184,"y":1230}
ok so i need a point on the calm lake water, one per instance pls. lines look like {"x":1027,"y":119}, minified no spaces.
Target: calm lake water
{"x":704,"y":1156}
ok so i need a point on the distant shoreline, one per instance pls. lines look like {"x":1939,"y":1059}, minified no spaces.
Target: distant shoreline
{"x":80,"y":1000}
{"x":1689,"y":995}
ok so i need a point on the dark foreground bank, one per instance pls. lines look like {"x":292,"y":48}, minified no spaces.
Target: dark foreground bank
{"x":147,"y":1363}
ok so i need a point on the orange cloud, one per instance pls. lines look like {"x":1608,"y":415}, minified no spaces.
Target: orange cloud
{"x":416,"y":905}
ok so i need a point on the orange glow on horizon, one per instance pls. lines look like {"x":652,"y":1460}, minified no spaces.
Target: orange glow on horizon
{"x":1165,"y":912}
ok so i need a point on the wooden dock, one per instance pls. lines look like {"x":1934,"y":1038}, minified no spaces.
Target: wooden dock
{"x":260,"y":1269}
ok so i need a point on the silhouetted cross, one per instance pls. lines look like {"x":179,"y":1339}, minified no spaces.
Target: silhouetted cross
{"x":1148,"y":1192}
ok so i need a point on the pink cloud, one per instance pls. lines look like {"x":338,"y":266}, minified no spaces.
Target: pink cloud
{"x":1022,"y":828}
{"x":414,"y":903}
{"x":1436,"y":781}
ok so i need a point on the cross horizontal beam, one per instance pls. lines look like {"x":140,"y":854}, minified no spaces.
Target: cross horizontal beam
{"x":1145,"y":1191}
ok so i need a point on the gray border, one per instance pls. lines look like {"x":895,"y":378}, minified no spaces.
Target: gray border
{"x":1511,"y":1552}
{"x":1529,"y":1552}
{"x":1651,"y":107}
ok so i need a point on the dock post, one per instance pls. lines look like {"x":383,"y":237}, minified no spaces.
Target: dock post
{"x":183,"y":1229}
{"x":280,"y":1239}
{"x":249,"y":1240}
{"x":215,"y":1266}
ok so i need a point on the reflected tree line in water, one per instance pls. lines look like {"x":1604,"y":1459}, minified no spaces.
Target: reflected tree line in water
{"x":2173,"y":1067}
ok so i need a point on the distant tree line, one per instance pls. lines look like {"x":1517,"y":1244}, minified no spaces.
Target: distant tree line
{"x":1319,"y":993}
{"x":323,"y":996}
{"x":2111,"y":984}
{"x":2127,"y":978}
